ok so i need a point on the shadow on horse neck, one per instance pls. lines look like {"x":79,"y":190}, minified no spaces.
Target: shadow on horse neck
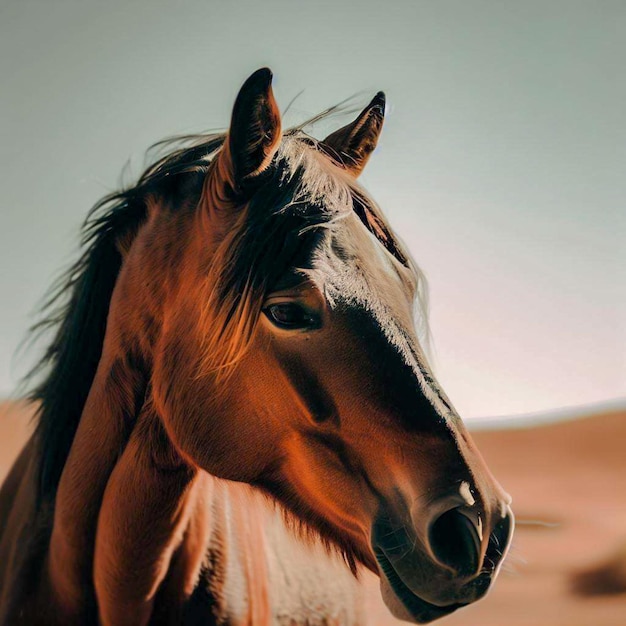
{"x":245,"y":313}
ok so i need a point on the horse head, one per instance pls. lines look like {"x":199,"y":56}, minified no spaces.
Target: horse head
{"x":288,"y":358}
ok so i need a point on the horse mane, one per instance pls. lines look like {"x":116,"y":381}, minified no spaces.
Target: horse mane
{"x":76,"y":307}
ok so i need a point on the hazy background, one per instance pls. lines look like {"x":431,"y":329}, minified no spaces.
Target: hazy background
{"x":502,"y":163}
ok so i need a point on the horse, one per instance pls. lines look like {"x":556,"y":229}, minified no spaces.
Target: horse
{"x":237,"y":422}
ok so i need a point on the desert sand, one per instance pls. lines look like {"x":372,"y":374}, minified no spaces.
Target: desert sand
{"x":571,"y":477}
{"x":568,"y":482}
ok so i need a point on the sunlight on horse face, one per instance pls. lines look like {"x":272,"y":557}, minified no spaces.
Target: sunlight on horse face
{"x":314,"y":387}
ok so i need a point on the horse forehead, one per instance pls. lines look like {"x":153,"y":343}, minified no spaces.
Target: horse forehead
{"x":362,"y":270}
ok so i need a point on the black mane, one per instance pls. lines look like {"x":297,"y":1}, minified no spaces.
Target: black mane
{"x":78,"y":305}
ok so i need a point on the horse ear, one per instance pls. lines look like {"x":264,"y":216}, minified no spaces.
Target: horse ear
{"x":352,"y":145}
{"x":254,"y":133}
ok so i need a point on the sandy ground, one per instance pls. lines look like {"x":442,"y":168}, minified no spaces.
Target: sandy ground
{"x":15,"y":427}
{"x":568,"y":483}
{"x":572,"y":476}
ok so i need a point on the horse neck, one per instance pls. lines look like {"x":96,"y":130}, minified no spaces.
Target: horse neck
{"x":119,"y":392}
{"x":101,"y":437}
{"x":232,"y":538}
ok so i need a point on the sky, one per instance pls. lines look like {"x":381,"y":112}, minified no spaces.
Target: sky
{"x":502,"y":164}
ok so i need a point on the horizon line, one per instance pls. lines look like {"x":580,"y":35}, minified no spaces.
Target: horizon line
{"x":549,"y":416}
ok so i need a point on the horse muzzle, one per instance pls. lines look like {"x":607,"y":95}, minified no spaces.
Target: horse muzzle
{"x":427,"y":575}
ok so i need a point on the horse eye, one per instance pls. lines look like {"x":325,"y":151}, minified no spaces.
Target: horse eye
{"x":289,"y":315}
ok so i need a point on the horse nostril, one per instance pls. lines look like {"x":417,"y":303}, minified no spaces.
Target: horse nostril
{"x":454,"y":541}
